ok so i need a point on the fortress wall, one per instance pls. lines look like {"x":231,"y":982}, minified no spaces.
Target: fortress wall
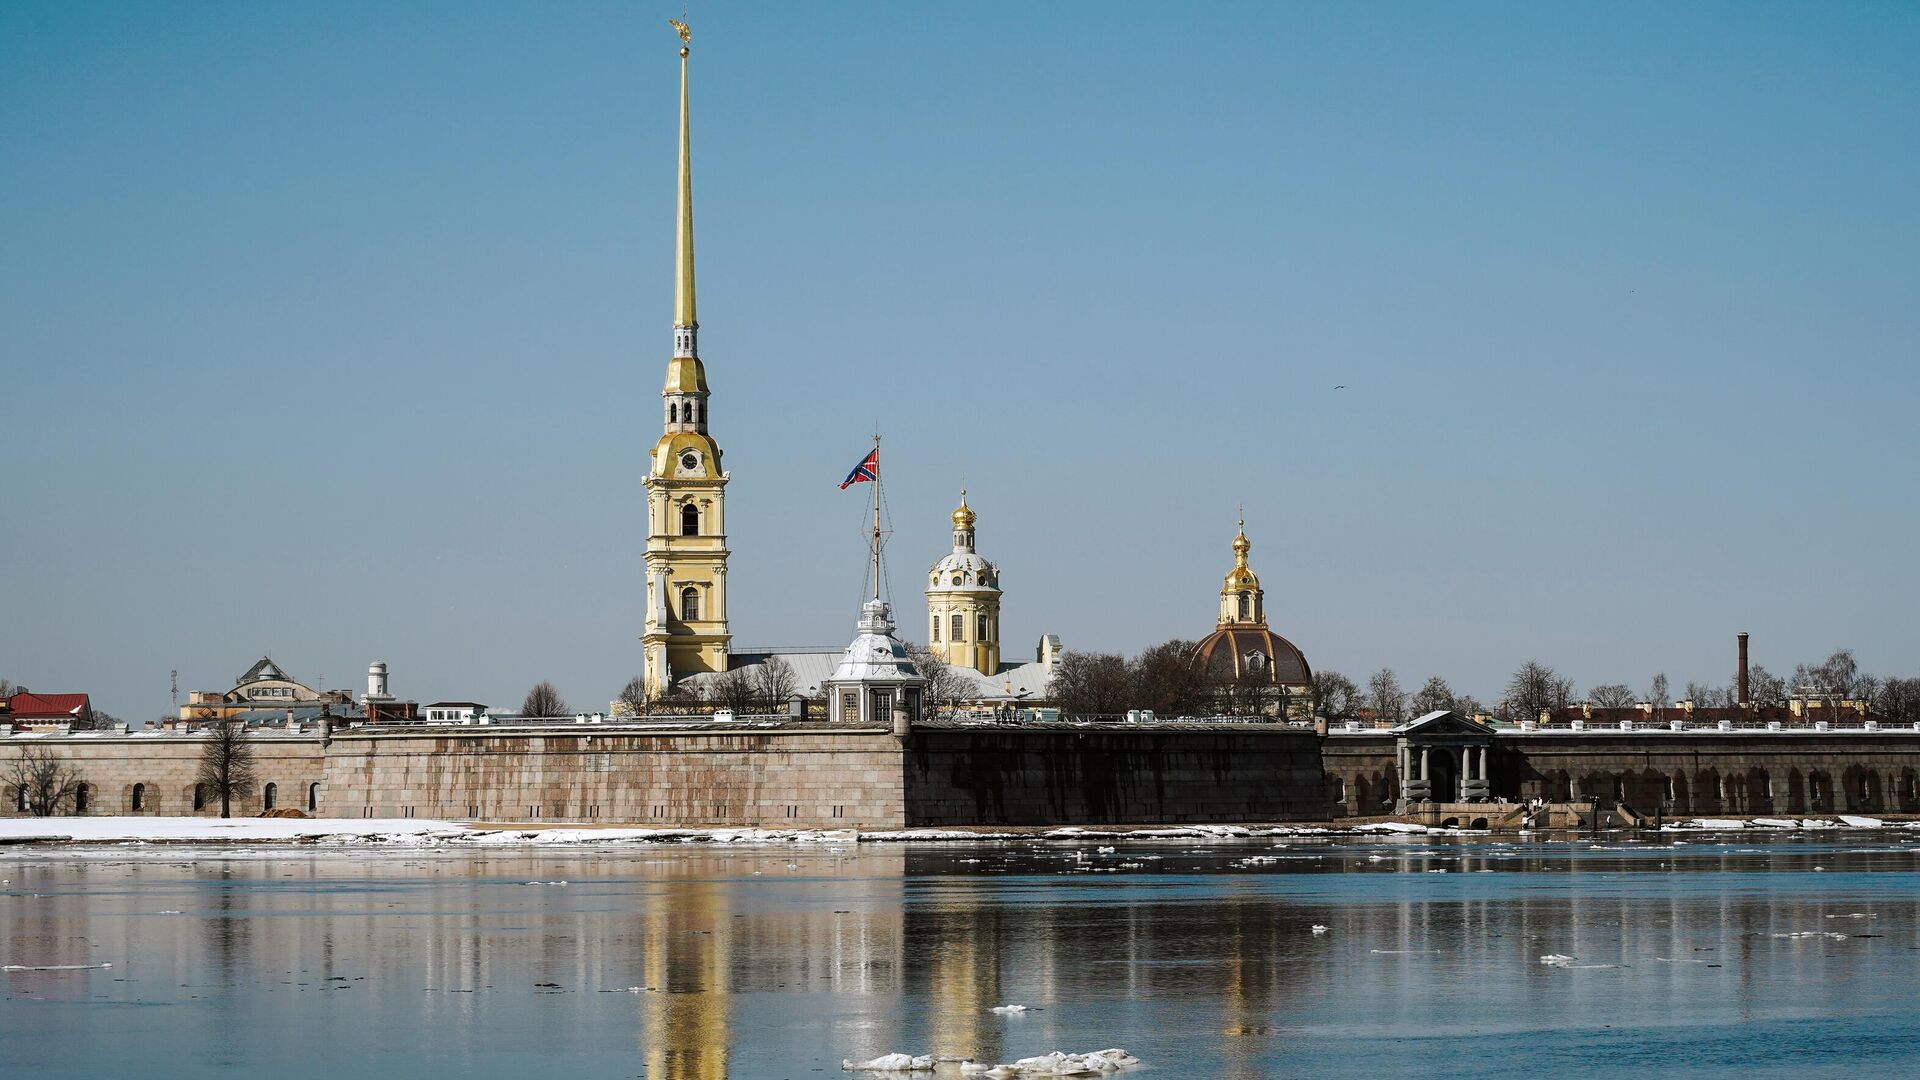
{"x":1367,"y":772}
{"x":1718,"y":772}
{"x":167,"y":765}
{"x":1696,"y":772}
{"x":1069,"y":777}
{"x":996,"y":776}
{"x":778,"y":779}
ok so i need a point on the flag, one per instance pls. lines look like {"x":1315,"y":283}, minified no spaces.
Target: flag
{"x":866,"y":472}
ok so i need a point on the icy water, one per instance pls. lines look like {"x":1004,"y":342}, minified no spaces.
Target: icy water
{"x":1774,"y":956}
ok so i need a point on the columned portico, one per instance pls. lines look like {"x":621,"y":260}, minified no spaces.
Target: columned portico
{"x":1442,"y":757}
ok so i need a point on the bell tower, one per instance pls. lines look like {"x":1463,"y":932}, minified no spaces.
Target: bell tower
{"x":963,"y":602}
{"x":686,"y":627}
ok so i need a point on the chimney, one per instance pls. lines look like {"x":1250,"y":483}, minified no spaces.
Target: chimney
{"x":1745,"y":691}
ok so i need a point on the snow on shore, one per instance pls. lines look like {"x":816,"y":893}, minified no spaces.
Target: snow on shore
{"x":426,"y":833}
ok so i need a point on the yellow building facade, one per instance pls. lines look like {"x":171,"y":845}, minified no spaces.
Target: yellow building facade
{"x":963,"y":601}
{"x":686,"y":628}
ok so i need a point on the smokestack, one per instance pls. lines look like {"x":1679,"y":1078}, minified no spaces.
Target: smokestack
{"x":1746,"y":693}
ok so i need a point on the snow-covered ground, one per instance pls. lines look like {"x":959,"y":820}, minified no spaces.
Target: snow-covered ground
{"x":414,"y":832}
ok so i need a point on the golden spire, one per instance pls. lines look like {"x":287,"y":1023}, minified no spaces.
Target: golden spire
{"x":1241,"y":545}
{"x":683,"y":306}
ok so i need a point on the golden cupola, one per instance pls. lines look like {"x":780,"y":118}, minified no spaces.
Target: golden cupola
{"x":1241,"y":646}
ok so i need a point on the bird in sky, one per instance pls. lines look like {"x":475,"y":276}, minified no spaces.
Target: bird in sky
{"x":1342,"y":386}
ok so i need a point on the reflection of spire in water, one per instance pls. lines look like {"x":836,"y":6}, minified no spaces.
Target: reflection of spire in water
{"x":964,"y":982}
{"x":686,"y":931}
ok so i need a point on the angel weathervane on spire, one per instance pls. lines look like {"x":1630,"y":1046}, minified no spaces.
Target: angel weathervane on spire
{"x":686,"y":35}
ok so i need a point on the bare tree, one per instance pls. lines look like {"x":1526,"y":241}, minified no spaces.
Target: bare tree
{"x":1090,"y":684}
{"x":226,"y":761}
{"x":1766,"y":688}
{"x":7,"y":689}
{"x":946,"y":684}
{"x":1385,"y":697}
{"x":633,"y":697}
{"x":1334,"y":695}
{"x":1660,"y":695}
{"x":41,"y":782}
{"x":544,"y":700}
{"x":1433,"y":696}
{"x":733,"y":689}
{"x":1167,"y":680}
{"x":774,"y":682}
{"x":1899,"y":700}
{"x":1536,"y":688}
{"x":1612,"y":696}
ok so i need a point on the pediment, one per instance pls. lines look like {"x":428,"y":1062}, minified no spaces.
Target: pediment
{"x":1442,"y":722}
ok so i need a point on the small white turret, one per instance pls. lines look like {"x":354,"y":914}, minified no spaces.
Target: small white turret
{"x":377,"y":681}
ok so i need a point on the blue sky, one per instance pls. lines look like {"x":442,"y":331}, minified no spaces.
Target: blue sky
{"x":337,"y":330}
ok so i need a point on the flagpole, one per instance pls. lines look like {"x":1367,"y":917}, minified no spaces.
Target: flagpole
{"x":876,"y":515}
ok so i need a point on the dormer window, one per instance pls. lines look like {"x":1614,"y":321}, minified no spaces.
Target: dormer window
{"x":1246,"y":605}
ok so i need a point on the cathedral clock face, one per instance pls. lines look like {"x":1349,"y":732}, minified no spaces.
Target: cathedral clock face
{"x":689,"y":461}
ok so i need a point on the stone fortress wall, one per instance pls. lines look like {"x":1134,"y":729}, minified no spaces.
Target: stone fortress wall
{"x":1698,"y":772}
{"x":951,"y":776}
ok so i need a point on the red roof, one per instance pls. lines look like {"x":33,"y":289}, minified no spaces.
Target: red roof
{"x":47,"y":706}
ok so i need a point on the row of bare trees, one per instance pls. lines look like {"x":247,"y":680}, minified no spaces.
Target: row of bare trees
{"x":1535,"y":688}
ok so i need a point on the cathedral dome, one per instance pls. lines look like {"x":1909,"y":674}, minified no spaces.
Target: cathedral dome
{"x":1235,"y":652}
{"x":963,"y":571}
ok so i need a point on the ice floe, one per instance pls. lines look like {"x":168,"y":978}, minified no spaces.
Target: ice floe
{"x":1008,"y":1010}
{"x":53,"y":967}
{"x":891,"y":1063}
{"x":1317,"y":929}
{"x":1058,"y":1063}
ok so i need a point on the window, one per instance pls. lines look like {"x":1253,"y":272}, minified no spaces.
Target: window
{"x":850,"y":707}
{"x":980,"y":629}
{"x":139,"y":797}
{"x":199,"y":796}
{"x":956,"y":579}
{"x":272,"y":795}
{"x":936,"y":628}
{"x":673,"y":412}
{"x":1246,"y":605}
{"x":689,"y":604}
{"x":313,"y":796}
{"x":959,"y":626}
{"x":82,"y":798}
{"x":689,"y":520}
